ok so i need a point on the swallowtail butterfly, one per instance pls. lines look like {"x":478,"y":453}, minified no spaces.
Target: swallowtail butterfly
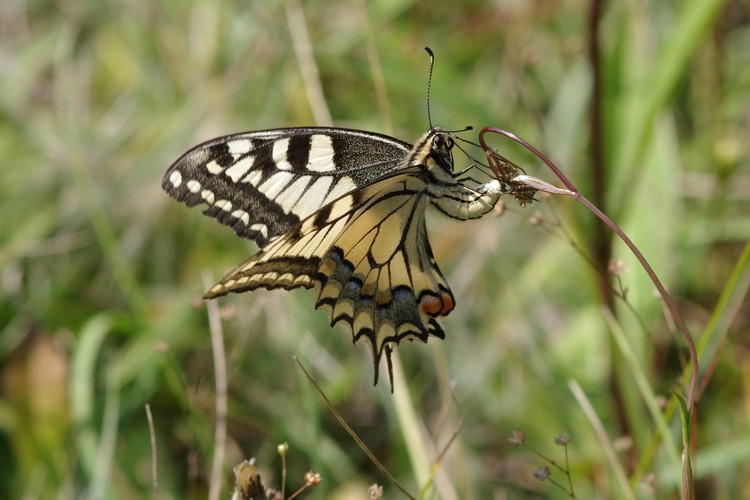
{"x":341,"y":211}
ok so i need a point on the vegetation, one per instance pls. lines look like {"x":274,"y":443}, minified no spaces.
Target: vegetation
{"x":102,"y":273}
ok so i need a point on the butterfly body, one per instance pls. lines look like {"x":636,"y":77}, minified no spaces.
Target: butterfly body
{"x":341,"y":211}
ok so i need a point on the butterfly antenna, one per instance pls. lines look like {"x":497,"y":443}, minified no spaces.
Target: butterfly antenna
{"x":429,"y":84}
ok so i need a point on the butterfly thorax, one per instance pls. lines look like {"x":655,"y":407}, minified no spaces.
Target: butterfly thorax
{"x":433,"y":155}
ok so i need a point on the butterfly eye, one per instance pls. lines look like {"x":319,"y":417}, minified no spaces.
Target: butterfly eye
{"x":442,"y":143}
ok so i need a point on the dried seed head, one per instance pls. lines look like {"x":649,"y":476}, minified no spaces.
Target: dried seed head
{"x":375,"y":491}
{"x":312,"y":478}
{"x":517,"y":438}
{"x":616,"y":267}
{"x":542,"y":473}
{"x":562,"y":439}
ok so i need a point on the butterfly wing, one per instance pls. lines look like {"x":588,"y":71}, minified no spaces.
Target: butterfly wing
{"x":368,"y":257}
{"x":264,"y":183}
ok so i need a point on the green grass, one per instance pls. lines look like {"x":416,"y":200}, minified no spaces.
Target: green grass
{"x":101,"y":272}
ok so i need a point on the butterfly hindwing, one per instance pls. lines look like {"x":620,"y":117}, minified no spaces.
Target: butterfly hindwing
{"x":368,"y":257}
{"x":264,"y":183}
{"x":380,"y":278}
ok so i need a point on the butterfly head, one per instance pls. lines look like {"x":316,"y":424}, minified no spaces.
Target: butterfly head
{"x":433,"y":154}
{"x":441,"y":150}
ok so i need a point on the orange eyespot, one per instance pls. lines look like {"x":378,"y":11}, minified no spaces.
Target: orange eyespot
{"x":436,"y":306}
{"x":429,"y":304}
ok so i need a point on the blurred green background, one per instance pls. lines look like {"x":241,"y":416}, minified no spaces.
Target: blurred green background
{"x":101,"y":273}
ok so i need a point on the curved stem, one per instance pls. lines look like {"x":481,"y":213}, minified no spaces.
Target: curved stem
{"x":573,"y":192}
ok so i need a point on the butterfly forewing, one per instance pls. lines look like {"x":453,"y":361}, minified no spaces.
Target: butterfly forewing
{"x":264,"y":183}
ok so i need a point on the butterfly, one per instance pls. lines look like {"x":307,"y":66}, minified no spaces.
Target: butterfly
{"x":341,"y":211}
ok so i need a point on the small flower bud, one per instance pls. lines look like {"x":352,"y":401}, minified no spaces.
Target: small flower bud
{"x":282,"y":449}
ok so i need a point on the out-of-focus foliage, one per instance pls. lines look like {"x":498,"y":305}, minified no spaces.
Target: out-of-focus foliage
{"x":101,"y":273}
